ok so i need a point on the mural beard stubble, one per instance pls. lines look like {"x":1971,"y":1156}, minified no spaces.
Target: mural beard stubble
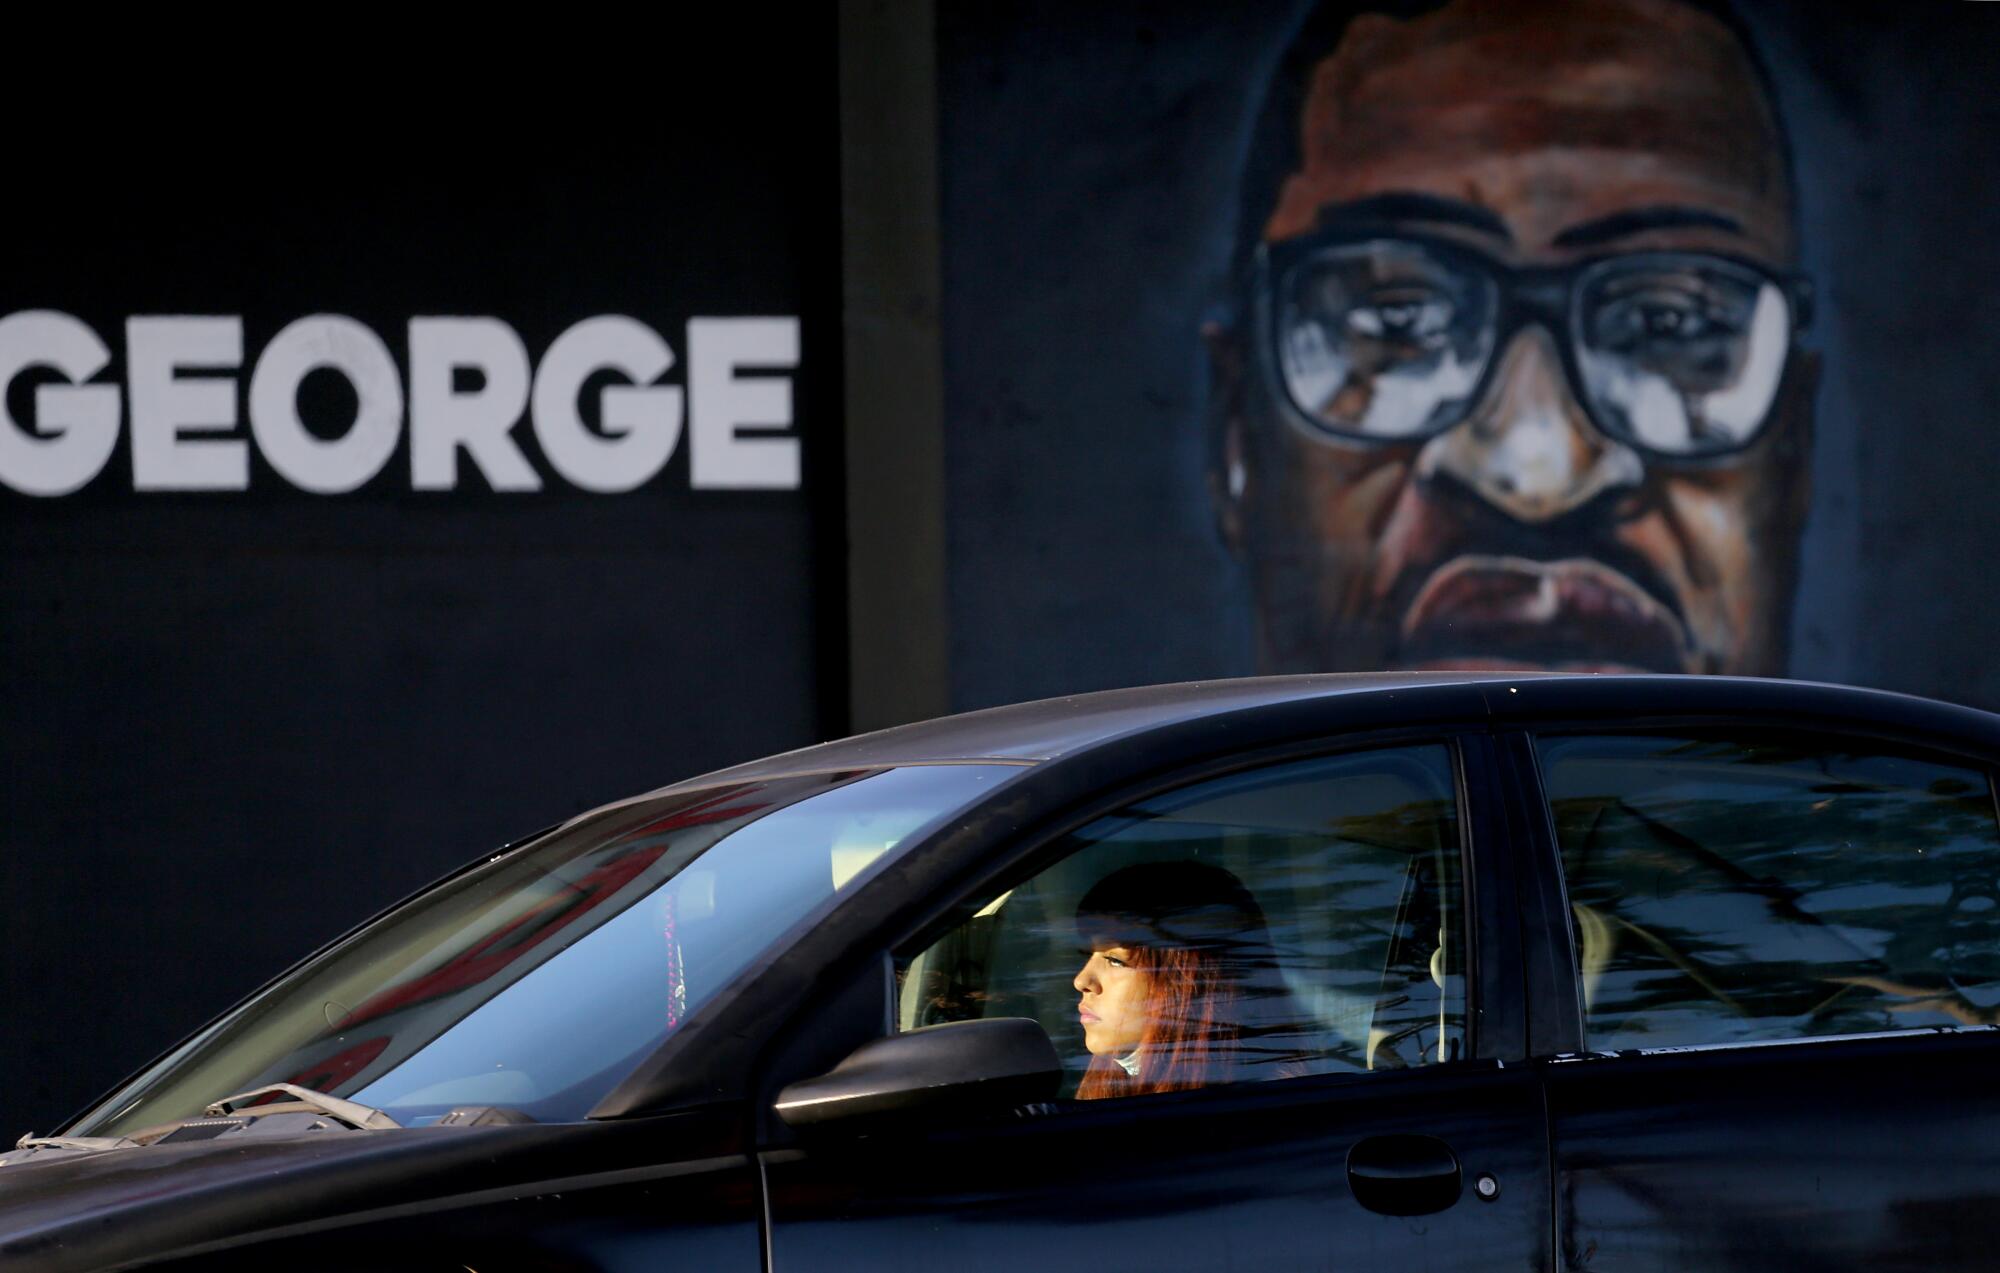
{"x":1514,"y":380}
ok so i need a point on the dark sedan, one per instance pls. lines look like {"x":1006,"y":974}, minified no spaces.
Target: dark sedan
{"x":1378,"y":972}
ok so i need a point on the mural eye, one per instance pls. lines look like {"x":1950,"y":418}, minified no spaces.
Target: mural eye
{"x":1661,"y":320}
{"x":1674,"y":314}
{"x":1670,"y":320}
{"x":1685,"y":360}
{"x":1419,"y":319}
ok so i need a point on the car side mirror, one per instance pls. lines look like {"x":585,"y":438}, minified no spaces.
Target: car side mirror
{"x":990,"y":1064}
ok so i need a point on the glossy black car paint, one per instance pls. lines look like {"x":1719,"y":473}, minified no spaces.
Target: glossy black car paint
{"x":1820,"y":1154}
{"x":1253,"y":1177}
{"x":1875,"y":1153}
{"x":329,"y":1201}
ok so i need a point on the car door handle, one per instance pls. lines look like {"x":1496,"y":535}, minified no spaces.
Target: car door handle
{"x":1403,"y":1175}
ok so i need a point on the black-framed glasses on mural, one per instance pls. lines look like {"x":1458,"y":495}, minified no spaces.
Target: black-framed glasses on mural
{"x":1385,"y":339}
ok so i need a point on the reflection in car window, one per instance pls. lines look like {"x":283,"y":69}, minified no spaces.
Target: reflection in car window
{"x":1298,"y":919}
{"x":540,"y":979}
{"x":1729,"y":890}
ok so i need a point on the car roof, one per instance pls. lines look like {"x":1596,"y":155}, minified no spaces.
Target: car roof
{"x":1051,"y":728}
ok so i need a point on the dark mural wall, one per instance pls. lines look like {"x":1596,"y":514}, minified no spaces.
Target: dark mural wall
{"x":304,"y":611}
{"x":1583,"y":335}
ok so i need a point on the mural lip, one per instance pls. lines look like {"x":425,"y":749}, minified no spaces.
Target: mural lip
{"x":1505,"y":611}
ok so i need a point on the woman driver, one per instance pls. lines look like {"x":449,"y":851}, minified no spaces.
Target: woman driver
{"x":1179,"y":965}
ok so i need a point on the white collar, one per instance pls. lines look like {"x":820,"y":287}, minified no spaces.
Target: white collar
{"x":1129,"y":1064}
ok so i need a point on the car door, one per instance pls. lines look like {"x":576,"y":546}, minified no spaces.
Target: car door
{"x":1786,"y":955}
{"x":1381,"y":1120}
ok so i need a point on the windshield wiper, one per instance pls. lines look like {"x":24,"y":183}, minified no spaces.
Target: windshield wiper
{"x":303,"y":1100}
{"x":353,"y":1113}
{"x":87,"y":1144}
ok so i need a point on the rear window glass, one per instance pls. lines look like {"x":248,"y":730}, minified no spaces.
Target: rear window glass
{"x":1740,"y":889}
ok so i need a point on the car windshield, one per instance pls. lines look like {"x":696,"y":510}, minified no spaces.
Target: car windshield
{"x":540,"y":978}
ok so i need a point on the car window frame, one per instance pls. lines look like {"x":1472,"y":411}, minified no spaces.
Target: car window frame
{"x":1487,"y":881}
{"x":1564,"y":1036}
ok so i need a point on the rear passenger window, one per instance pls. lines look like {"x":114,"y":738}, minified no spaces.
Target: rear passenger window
{"x":1293,"y":920}
{"x":1732,"y":889}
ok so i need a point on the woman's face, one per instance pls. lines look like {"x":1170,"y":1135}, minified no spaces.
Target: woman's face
{"x":1113,"y":1006}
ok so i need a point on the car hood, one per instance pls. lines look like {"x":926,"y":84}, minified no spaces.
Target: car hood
{"x":110,"y":1209}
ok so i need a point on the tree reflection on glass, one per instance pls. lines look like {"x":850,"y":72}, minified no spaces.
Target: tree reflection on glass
{"x":1753,"y":888}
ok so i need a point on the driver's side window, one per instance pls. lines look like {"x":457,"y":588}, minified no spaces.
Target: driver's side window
{"x":1298,"y":919}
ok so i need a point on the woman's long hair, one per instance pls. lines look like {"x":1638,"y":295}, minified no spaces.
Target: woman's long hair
{"x":1198,"y":936}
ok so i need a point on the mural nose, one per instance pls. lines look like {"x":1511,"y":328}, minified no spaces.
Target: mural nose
{"x":1528,"y":448}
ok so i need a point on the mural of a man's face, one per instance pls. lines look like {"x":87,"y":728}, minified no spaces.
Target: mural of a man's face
{"x":1516,"y":381}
